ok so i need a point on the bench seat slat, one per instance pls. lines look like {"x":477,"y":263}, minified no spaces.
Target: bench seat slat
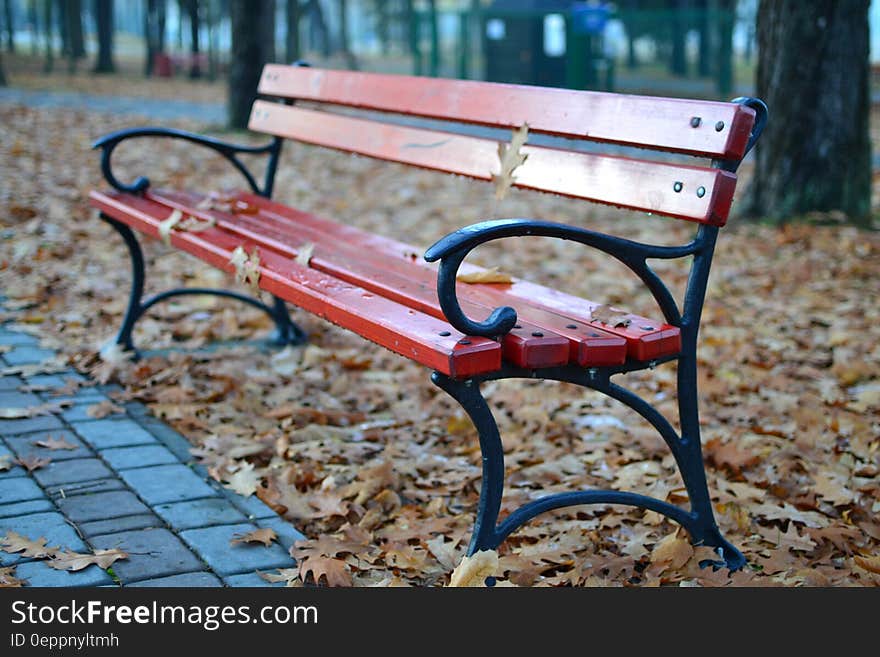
{"x":403,"y":330}
{"x":704,"y":195}
{"x":530,"y":345}
{"x":661,"y":123}
{"x":553,"y":309}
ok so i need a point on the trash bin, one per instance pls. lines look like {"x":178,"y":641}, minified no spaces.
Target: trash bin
{"x":162,"y":65}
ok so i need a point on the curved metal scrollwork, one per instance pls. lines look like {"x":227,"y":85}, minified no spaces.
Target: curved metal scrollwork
{"x":454,"y":248}
{"x":230,"y":152}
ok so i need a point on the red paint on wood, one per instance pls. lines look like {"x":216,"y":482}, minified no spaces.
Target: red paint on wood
{"x":704,"y":195}
{"x":646,"y":121}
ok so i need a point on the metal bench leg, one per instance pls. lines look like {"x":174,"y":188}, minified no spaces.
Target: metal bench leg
{"x":286,"y":331}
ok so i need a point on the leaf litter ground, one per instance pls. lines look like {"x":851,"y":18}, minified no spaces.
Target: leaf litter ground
{"x":381,"y":471}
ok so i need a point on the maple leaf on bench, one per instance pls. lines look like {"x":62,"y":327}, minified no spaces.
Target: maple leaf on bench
{"x":610,"y":316}
{"x":511,"y":158}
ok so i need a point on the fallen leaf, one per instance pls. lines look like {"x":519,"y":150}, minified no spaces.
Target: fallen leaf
{"x":511,"y":158}
{"x":13,"y":542}
{"x":196,"y":225}
{"x":305,"y":254}
{"x":247,"y":268}
{"x":671,"y":552}
{"x":5,"y":463}
{"x":871,"y":564}
{"x":610,"y":316}
{"x":290,"y":576}
{"x":264,"y":536}
{"x":103,"y":409}
{"x":73,"y":561}
{"x":8,"y":580}
{"x":166,"y":225}
{"x":245,"y":480}
{"x":16,"y":413}
{"x":53,"y":443}
{"x":31,"y":463}
{"x":472,"y":571}
{"x":491,"y":275}
{"x":334,"y":571}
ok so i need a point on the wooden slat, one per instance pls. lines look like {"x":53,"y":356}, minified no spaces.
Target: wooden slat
{"x":705,"y":194}
{"x":403,"y":330}
{"x":552,"y":309}
{"x":529,"y":346}
{"x":662,"y":123}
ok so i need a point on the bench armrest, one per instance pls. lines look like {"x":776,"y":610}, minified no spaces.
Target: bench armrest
{"x":229,"y":151}
{"x":452,"y":249}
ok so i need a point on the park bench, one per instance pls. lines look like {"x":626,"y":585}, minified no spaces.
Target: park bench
{"x":470,"y":333}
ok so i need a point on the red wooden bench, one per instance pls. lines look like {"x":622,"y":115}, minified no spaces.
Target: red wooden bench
{"x":386,"y":292}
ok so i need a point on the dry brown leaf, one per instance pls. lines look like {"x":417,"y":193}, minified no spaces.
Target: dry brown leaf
{"x":610,"y":316}
{"x":8,"y":580}
{"x":196,"y":225}
{"x":50,"y":442}
{"x":672,"y":552}
{"x":73,"y":561}
{"x":245,"y":480}
{"x":166,"y":226}
{"x":290,"y":576}
{"x":16,"y":413}
{"x":334,"y":571}
{"x":103,"y":409}
{"x":247,"y":268}
{"x":304,"y":255}
{"x":5,"y":463}
{"x":14,"y":543}
{"x":511,"y":158}
{"x":491,"y":275}
{"x":264,"y":536}
{"x":31,"y":463}
{"x":472,"y":571}
{"x":871,"y":564}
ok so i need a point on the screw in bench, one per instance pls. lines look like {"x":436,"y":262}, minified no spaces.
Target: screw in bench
{"x":701,"y":192}
{"x":719,"y":126}
{"x":678,"y":186}
{"x":696,"y":121}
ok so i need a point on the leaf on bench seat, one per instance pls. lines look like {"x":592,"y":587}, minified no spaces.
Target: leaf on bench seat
{"x":511,"y":158}
{"x":305,"y":254}
{"x":610,"y":316}
{"x":491,"y":275}
{"x":168,"y":224}
{"x":247,"y":268}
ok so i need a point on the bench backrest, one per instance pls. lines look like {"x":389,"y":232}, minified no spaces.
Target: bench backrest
{"x":713,"y":130}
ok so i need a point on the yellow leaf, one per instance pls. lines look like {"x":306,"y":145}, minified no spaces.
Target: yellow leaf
{"x":245,"y":480}
{"x":473,"y":571}
{"x":168,"y":224}
{"x":491,"y":275}
{"x":511,"y":158}
{"x":305,"y":254}
{"x":247,"y":268}
{"x":264,"y":536}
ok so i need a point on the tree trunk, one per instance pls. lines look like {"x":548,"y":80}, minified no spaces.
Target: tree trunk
{"x":2,"y":72}
{"x":726,"y":19}
{"x":104,"y":27}
{"x":9,"y":19}
{"x":149,"y":36}
{"x":291,"y":36}
{"x":434,"y":69}
{"x":75,"y":29}
{"x":678,"y":56}
{"x":34,"y":19}
{"x":49,"y":64}
{"x":813,"y":74}
{"x":195,"y":69}
{"x":412,"y":19}
{"x":251,"y":25}
{"x":350,"y":59}
{"x":704,"y":27}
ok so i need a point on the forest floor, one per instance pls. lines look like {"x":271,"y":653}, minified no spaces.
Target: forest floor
{"x":380,"y":470}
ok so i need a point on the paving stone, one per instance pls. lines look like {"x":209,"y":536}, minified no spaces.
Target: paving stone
{"x":8,"y":457}
{"x":199,"y":513}
{"x":24,"y":508}
{"x":160,"y":484}
{"x":19,"y":489}
{"x":30,"y":424}
{"x":10,"y":382}
{"x":287,"y":533}
{"x":152,"y":553}
{"x":101,"y":506}
{"x":79,"y":412}
{"x":16,"y":338}
{"x":38,"y":573}
{"x":250,"y":581}
{"x":124,"y":458}
{"x":186,"y":580}
{"x":136,"y":409}
{"x":251,"y":506}
{"x":27,"y":354}
{"x":54,"y":381}
{"x":51,"y":526}
{"x":24,"y":447}
{"x":112,"y":432}
{"x":177,"y":444}
{"x":16,"y":399}
{"x":86,"y":396}
{"x":58,"y":473}
{"x":212,"y":545}
{"x":116,"y":525}
{"x":85,"y":488}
